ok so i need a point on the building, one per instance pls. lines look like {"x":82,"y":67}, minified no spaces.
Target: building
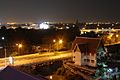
{"x":10,"y":73}
{"x":87,"y":51}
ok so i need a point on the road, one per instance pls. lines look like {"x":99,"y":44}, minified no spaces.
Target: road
{"x":112,"y":44}
{"x":35,"y":58}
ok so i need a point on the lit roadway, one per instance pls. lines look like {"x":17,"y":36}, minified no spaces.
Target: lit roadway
{"x":99,"y":30}
{"x":112,"y":44}
{"x":36,"y":58}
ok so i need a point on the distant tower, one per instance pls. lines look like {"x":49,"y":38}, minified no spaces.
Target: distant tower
{"x":77,"y":21}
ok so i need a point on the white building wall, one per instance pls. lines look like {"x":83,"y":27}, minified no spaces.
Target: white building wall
{"x":92,"y":59}
{"x":77,"y":58}
{"x":80,"y":59}
{"x":83,"y":57}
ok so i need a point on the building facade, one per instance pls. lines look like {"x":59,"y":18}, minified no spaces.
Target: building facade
{"x":86,"y":51}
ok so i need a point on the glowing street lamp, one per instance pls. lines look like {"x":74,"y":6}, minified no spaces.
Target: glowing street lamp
{"x":117,"y":35}
{"x":110,"y":36}
{"x":3,"y":38}
{"x":58,"y":44}
{"x":20,"y":46}
{"x":51,"y":77}
{"x":54,"y":40}
{"x":60,"y":41}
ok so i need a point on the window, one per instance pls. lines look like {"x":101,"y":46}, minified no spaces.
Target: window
{"x":85,"y":60}
{"x":92,"y":61}
{"x":88,"y":60}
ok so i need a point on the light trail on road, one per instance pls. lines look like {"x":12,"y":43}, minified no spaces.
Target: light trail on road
{"x":36,"y":58}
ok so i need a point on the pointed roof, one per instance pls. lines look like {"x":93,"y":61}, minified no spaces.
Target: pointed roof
{"x":87,"y":44}
{"x":9,"y":73}
{"x":83,"y":48}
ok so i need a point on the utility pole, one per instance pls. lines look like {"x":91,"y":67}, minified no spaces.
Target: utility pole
{"x":5,"y":57}
{"x":4,"y":47}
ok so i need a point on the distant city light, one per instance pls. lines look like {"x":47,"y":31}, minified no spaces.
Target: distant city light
{"x":98,"y":25}
{"x":112,"y":24}
{"x":82,"y":32}
{"x":109,"y":28}
{"x":113,"y":29}
{"x":98,"y":35}
{"x":11,"y":23}
{"x":46,"y":22}
{"x":73,"y":25}
{"x":67,"y":27}
{"x":3,"y":38}
{"x":33,"y":24}
{"x":83,"y":28}
{"x":44,"y":26}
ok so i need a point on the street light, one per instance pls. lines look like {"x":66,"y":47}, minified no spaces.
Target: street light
{"x":3,"y":38}
{"x":57,"y":44}
{"x":60,"y":41}
{"x":53,"y":44}
{"x":117,"y":35}
{"x":51,"y":77}
{"x":54,"y":40}
{"x":19,"y":46}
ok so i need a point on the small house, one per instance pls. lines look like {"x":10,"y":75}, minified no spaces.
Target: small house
{"x":86,"y":51}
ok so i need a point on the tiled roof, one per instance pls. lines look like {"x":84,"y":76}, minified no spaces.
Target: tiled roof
{"x":87,"y":44}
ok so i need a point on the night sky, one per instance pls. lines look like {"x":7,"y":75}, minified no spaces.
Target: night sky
{"x":59,"y":10}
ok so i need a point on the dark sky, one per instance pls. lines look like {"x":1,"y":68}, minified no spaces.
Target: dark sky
{"x":59,"y":10}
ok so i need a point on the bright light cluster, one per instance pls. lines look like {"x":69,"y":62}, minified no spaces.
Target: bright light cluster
{"x":44,"y":26}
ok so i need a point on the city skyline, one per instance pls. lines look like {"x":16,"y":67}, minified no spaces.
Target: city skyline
{"x":60,"y":11}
